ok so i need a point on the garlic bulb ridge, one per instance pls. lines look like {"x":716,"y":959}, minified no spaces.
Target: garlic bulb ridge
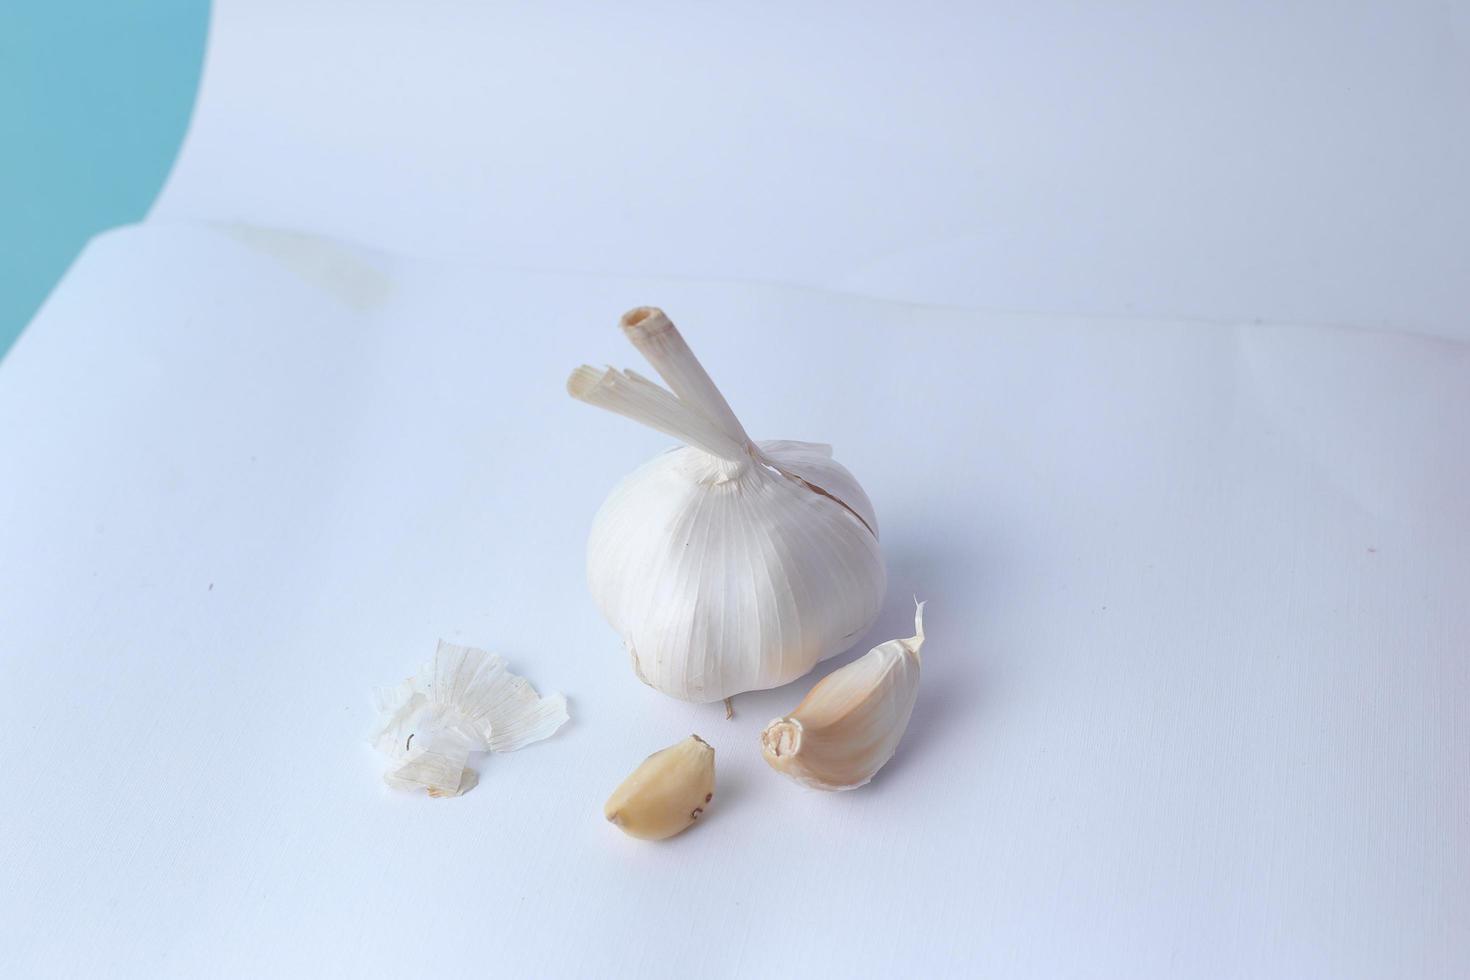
{"x":726,"y":565}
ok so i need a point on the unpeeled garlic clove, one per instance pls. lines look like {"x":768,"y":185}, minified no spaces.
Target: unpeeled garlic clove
{"x":666,"y":793}
{"x":850,"y":724}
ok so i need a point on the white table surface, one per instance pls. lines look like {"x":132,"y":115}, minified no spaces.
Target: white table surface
{"x":1196,"y":695}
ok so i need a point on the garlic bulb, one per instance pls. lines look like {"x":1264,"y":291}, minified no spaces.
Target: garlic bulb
{"x":849,"y":725}
{"x":726,"y":565}
{"x":666,"y":793}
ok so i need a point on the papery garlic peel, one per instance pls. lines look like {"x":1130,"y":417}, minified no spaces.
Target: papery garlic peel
{"x":849,"y":725}
{"x":462,"y":701}
{"x":726,"y":565}
{"x":667,"y":793}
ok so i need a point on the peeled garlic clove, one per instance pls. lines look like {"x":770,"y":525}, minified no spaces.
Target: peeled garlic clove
{"x":666,"y":793}
{"x":850,"y":724}
{"x":726,"y":565}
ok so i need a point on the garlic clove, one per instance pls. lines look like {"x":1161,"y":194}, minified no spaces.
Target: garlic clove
{"x":666,"y":793}
{"x":850,"y":723}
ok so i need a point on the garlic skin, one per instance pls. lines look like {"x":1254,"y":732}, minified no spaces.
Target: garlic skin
{"x":726,"y":565}
{"x":667,"y":793}
{"x":851,"y":722}
{"x":462,"y":701}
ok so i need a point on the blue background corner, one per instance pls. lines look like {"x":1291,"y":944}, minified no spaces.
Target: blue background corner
{"x":95,"y":98}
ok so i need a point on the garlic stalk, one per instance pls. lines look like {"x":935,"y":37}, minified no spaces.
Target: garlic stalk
{"x":666,"y":793}
{"x":726,"y":565}
{"x":850,"y":723}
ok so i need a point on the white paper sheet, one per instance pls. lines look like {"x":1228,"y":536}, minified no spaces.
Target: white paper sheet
{"x":1195,"y":699}
{"x":1196,"y":693}
{"x":1290,"y":162}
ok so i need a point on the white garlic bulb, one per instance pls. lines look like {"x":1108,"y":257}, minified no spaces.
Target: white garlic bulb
{"x":849,"y":725}
{"x":725,"y":565}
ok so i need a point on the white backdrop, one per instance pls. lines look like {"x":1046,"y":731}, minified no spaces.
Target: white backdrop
{"x":1195,"y":693}
{"x":1300,"y":161}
